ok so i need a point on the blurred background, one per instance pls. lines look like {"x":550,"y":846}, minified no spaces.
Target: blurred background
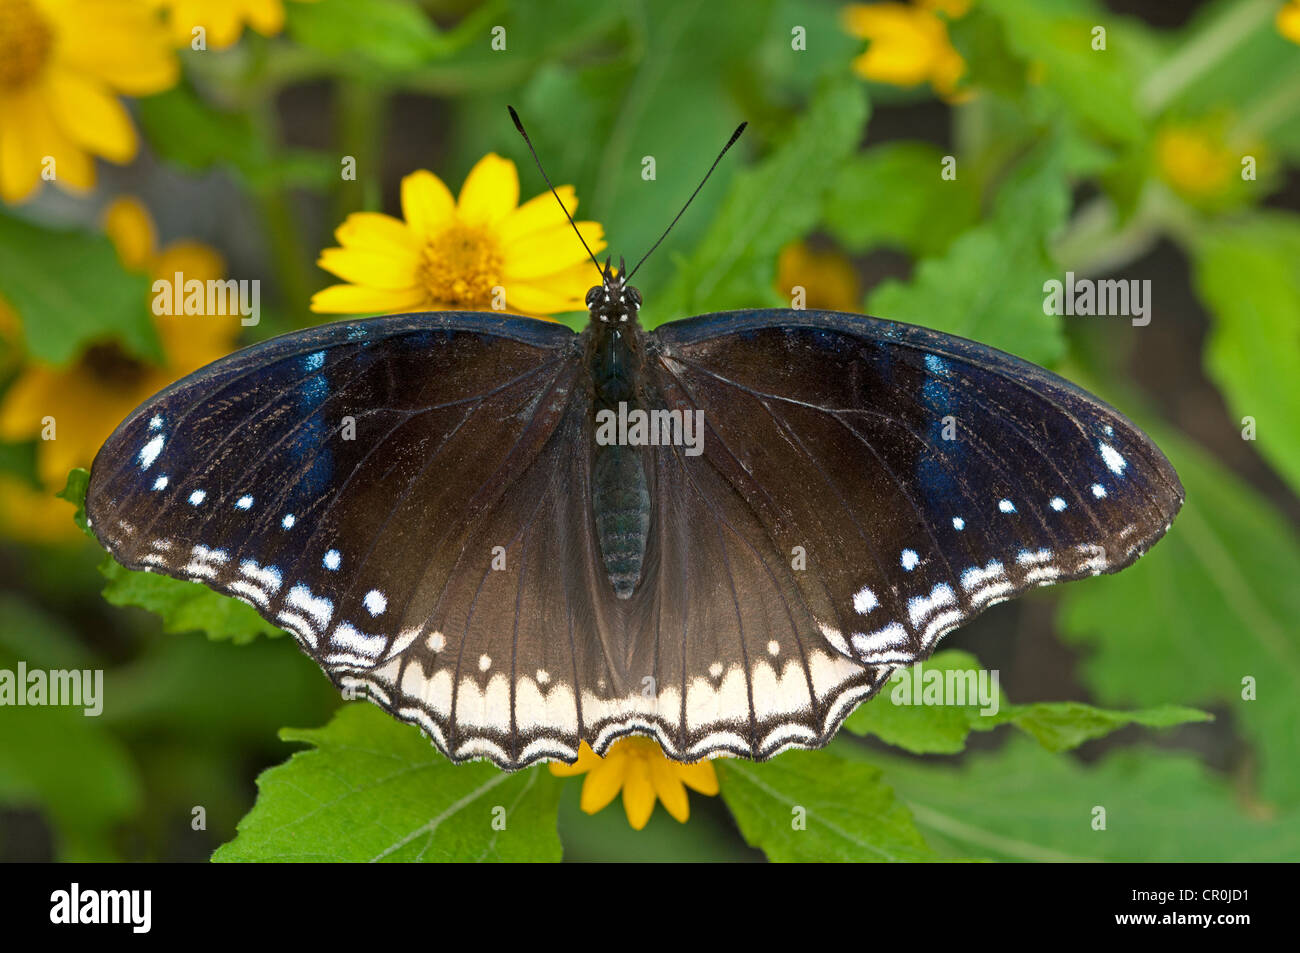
{"x":1164,"y":147}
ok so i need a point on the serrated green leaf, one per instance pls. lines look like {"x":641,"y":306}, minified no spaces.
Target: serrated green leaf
{"x":988,"y":286}
{"x":775,"y":202}
{"x":372,"y":788}
{"x":816,"y":806}
{"x":1247,"y":274}
{"x":185,"y":606}
{"x":1212,"y":606}
{"x":905,"y":714}
{"x":70,"y":290}
{"x":1024,"y":804}
{"x":893,"y":195}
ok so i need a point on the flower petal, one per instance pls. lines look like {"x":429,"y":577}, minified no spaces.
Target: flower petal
{"x":123,"y":44}
{"x":699,"y":776}
{"x":266,"y":16}
{"x":670,"y":789}
{"x":91,"y":116}
{"x":427,"y":204}
{"x":538,"y":213}
{"x":529,"y":299}
{"x":587,"y":760}
{"x":552,"y":249}
{"x":490,"y":192}
{"x":638,"y":793}
{"x":374,"y":269}
{"x":24,"y":137}
{"x":131,"y":231}
{"x":375,"y":231}
{"x":603,"y":783}
{"x":354,"y":299}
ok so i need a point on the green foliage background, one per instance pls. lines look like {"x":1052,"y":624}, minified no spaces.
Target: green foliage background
{"x":1057,"y":157}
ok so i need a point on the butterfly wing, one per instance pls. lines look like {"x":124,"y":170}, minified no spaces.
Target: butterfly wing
{"x":864,"y":488}
{"x":405,"y":495}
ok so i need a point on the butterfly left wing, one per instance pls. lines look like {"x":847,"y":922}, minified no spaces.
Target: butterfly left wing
{"x":407,"y":497}
{"x":879,"y":484}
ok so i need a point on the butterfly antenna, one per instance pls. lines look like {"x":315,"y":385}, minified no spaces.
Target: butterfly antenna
{"x":520,"y":126}
{"x":730,"y":142}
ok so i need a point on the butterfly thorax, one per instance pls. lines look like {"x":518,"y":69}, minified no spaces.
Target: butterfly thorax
{"x":620,"y":494}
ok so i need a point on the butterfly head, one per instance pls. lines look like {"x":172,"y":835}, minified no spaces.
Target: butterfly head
{"x":613,"y":301}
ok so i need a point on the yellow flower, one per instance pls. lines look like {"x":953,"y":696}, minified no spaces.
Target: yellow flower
{"x":637,"y":766}
{"x":1194,"y":160}
{"x":829,"y":280}
{"x":466,"y":254}
{"x":62,"y":65}
{"x":222,"y":20}
{"x":1288,"y":21}
{"x":91,"y":396}
{"x":908,"y":43}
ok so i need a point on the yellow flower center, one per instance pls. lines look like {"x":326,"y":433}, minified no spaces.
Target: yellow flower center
{"x":112,"y":368}
{"x":25,"y":43}
{"x":461,"y":266}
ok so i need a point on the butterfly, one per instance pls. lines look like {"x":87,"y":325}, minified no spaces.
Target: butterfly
{"x":724,"y":533}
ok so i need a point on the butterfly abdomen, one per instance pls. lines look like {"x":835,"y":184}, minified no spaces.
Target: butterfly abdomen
{"x":621,"y":508}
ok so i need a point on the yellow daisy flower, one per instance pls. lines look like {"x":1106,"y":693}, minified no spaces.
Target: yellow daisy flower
{"x":63,"y":64}
{"x":829,"y":280}
{"x":469,"y":253}
{"x":636,"y":765}
{"x":1194,"y":160}
{"x":222,"y":20}
{"x":1288,"y":21}
{"x":90,"y":397}
{"x":908,"y":43}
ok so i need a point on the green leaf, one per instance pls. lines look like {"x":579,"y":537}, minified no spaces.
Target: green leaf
{"x":1248,"y":276}
{"x":918,"y":710}
{"x":769,"y":205}
{"x":893,"y":195}
{"x":74,"y":491}
{"x":185,"y":606}
{"x":184,"y":129}
{"x":394,"y":34}
{"x":1024,"y":804}
{"x":1210,"y":611}
{"x":70,"y":290}
{"x":372,"y":788}
{"x":989,"y":284}
{"x":91,"y":784}
{"x":816,"y":806}
{"x":1096,"y":86}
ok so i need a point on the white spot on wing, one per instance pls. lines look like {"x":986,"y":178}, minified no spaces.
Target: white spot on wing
{"x":864,"y":601}
{"x":375,"y":602}
{"x":1114,"y":462}
{"x":909,"y":559}
{"x":332,"y":560}
{"x":149,"y":452}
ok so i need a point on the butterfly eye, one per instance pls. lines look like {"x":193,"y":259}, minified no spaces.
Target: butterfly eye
{"x":634,"y":296}
{"x":593,"y":296}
